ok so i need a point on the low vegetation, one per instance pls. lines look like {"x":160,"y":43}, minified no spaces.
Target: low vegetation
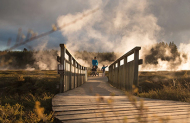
{"x":165,"y":85}
{"x":25,"y":96}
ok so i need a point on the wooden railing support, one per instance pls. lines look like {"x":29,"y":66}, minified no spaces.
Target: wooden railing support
{"x":73,"y":74}
{"x":126,"y":75}
{"x":70,"y":83}
{"x":74,"y":65}
{"x":63,"y":51}
{"x":118,"y":78}
{"x":136,"y":66}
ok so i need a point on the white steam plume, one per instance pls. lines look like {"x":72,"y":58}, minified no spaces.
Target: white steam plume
{"x":184,"y":48}
{"x":111,"y":29}
{"x":118,"y":27}
{"x":43,"y":60}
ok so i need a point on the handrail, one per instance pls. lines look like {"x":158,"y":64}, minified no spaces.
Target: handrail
{"x":126,"y":75}
{"x":127,"y":54}
{"x":73,"y":74}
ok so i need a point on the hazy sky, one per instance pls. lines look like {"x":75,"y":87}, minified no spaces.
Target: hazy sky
{"x":116,"y":23}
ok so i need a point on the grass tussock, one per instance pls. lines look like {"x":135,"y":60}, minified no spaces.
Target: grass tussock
{"x":178,"y":93}
{"x":166,"y":85}
{"x":26,"y":96}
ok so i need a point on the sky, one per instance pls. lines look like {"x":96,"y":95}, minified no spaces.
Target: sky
{"x":116,"y":26}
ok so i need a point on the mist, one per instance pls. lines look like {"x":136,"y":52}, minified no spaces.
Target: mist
{"x":118,"y":28}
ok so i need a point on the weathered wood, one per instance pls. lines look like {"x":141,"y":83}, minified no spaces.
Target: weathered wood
{"x":71,"y":78}
{"x":118,"y":75}
{"x":107,"y":107}
{"x":70,"y":83}
{"x":74,"y":65}
{"x":125,"y":73}
{"x":81,"y":105}
{"x":128,"y":76}
{"x":136,"y":66}
{"x":115,"y":119}
{"x":63,"y":51}
{"x":127,"y":54}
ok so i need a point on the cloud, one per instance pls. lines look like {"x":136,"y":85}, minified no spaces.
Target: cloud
{"x":117,"y":28}
{"x":115,"y":22}
{"x":173,"y":17}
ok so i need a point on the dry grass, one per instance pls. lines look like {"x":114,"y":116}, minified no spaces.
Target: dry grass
{"x":25,"y":96}
{"x":165,"y":85}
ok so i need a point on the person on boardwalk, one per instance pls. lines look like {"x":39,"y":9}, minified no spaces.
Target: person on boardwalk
{"x":103,"y":69}
{"x":95,"y":63}
{"x":94,"y":70}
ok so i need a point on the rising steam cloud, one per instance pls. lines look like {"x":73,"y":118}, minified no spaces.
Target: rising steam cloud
{"x":119,"y":27}
{"x":44,"y":60}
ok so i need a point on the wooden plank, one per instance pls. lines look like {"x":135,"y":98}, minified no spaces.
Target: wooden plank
{"x":111,"y":119}
{"x":118,"y":118}
{"x":67,"y":108}
{"x":84,"y":108}
{"x":99,"y":112}
{"x":149,"y":105}
{"x":120,"y":110}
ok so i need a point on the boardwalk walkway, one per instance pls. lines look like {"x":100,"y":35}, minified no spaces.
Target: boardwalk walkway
{"x":82,"y":105}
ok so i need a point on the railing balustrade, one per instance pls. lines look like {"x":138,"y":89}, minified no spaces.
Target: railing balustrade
{"x":124,"y":75}
{"x":73,"y":74}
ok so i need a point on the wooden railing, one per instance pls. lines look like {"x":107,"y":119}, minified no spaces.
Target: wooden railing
{"x":123,"y":76}
{"x":73,"y":74}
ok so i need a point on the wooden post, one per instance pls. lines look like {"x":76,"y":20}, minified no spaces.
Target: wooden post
{"x":118,"y":79}
{"x":125,"y":72}
{"x":62,"y":82}
{"x":74,"y":65}
{"x":70,"y":74}
{"x":86,"y":74}
{"x":109,"y":74}
{"x":77,"y":75}
{"x":83,"y":76}
{"x":115,"y":75}
{"x":136,"y":59}
{"x":78,"y":78}
{"x":80,"y":75}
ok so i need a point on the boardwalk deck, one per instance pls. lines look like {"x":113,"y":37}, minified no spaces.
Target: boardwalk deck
{"x":81,"y":105}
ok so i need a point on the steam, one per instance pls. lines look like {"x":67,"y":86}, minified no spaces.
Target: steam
{"x":118,"y":29}
{"x":184,"y":48}
{"x":162,"y":57}
{"x":43,"y":60}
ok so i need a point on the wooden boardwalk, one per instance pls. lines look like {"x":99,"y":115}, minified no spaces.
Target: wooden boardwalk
{"x":83,"y":105}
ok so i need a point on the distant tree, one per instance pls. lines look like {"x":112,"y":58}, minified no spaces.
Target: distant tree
{"x":25,"y":50}
{"x":164,"y":52}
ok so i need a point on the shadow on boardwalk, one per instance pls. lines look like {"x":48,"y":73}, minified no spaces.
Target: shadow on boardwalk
{"x":80,"y":105}
{"x":92,"y":87}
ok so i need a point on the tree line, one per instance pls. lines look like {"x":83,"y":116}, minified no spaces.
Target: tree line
{"x":21,"y":59}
